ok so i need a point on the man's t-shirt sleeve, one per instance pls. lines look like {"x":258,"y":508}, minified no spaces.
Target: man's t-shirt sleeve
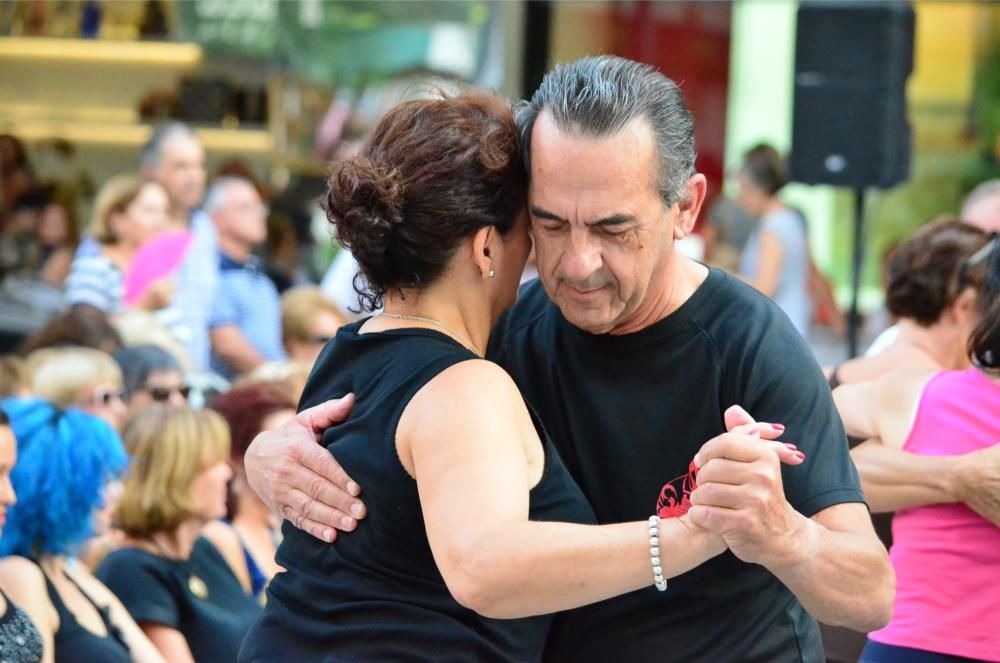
{"x":224,"y":310}
{"x":785,"y":385}
{"x":143,"y":589}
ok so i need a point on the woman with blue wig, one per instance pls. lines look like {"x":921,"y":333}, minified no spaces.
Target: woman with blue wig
{"x":20,"y":641}
{"x":66,"y":460}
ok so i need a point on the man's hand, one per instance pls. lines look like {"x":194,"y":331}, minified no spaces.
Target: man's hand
{"x":976,"y":481}
{"x":299,"y":479}
{"x":740,"y":495}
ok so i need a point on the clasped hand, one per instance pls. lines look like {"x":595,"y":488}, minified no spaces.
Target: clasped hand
{"x":740,"y":495}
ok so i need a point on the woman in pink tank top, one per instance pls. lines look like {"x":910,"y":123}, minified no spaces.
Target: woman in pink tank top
{"x":946,"y":556}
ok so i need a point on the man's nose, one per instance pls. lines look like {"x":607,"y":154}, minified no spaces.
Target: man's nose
{"x":581,"y":258}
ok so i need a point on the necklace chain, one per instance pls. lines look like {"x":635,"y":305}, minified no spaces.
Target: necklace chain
{"x":418,"y":318}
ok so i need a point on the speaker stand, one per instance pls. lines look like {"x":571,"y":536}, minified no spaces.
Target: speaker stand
{"x":854,"y":316}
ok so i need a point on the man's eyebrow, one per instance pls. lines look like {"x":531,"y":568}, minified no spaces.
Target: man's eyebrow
{"x":613,"y":220}
{"x":545,"y":214}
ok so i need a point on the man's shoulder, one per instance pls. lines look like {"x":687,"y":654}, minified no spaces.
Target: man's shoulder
{"x":737,"y":310}
{"x":528,"y":312}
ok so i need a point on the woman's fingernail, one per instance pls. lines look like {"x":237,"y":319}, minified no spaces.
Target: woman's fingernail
{"x":353,"y":488}
{"x":328,"y":535}
{"x":347,"y":522}
{"x":357,"y":509}
{"x":790,"y":445}
{"x":777,"y":427}
{"x":800,"y":455}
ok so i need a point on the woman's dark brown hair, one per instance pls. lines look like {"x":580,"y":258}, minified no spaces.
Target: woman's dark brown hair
{"x":245,"y":409}
{"x":83,"y":325}
{"x":431,"y":174}
{"x":765,"y":169}
{"x":984,"y":343}
{"x":924,"y":270}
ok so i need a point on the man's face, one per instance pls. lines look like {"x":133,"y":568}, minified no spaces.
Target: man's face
{"x":985,"y":214}
{"x":602,"y":232}
{"x":181,"y":171}
{"x":162,"y":386}
{"x":243,"y":216}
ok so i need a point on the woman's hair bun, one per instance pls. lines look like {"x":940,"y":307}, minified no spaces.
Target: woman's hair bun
{"x":431,"y":173}
{"x":364,"y":202}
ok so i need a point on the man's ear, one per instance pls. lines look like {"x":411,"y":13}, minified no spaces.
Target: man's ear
{"x":482,"y":243}
{"x":688,"y":207}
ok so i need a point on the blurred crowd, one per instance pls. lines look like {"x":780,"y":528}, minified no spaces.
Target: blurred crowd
{"x":168,"y":330}
{"x":161,"y":335}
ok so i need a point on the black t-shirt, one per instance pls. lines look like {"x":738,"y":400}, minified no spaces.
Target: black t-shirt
{"x":627,"y":414}
{"x":160,"y":591}
{"x":377,"y":594}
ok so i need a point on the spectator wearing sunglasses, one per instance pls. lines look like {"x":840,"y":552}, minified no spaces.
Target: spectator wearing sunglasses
{"x":308,"y":321}
{"x":80,"y":378}
{"x":151,"y":375}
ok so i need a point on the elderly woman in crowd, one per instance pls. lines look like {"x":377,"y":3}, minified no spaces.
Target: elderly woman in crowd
{"x":66,"y":461}
{"x":249,"y":410}
{"x":308,"y":321}
{"x":80,"y":378}
{"x":128,"y":212}
{"x":179,"y":587}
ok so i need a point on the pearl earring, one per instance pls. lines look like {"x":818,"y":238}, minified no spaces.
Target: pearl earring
{"x":492,"y":273}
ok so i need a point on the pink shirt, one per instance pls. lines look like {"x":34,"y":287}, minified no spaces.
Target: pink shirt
{"x":947,"y":558}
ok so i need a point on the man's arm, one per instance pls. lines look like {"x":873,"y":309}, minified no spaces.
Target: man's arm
{"x":893,"y":479}
{"x":233,"y":347}
{"x":299,"y":479}
{"x":832,"y":562}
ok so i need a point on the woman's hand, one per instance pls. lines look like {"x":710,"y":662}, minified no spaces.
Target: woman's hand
{"x":158,"y":295}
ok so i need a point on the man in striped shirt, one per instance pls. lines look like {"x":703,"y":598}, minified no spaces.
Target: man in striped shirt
{"x":245,"y":325}
{"x":174,"y":157}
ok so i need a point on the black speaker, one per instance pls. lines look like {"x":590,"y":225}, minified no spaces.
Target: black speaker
{"x":849,"y":123}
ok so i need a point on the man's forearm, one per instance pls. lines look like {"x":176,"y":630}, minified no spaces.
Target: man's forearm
{"x":841,"y":578}
{"x":229,"y":343}
{"x":894,"y":479}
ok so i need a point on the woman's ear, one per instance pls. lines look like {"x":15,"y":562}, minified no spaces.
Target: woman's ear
{"x":483,"y":246}
{"x":963,"y":309}
{"x":115,"y":220}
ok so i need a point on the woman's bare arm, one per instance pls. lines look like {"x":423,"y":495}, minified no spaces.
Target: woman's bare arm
{"x":471,"y":463}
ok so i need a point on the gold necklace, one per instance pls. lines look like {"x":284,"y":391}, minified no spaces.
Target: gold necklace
{"x":417,"y":318}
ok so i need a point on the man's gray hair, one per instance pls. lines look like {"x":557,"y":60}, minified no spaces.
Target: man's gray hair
{"x":984,"y":190}
{"x":215,"y":198}
{"x":598,"y":96}
{"x":152,"y":152}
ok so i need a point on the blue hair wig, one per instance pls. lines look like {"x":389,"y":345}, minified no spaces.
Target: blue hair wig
{"x":64,"y":460}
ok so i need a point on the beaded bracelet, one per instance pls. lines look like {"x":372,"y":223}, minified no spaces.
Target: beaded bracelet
{"x":654,"y":553}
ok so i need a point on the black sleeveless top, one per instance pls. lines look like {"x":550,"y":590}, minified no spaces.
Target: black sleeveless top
{"x":376,"y":594}
{"x":74,"y":643}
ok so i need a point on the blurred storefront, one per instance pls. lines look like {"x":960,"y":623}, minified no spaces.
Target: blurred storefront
{"x":281,"y":87}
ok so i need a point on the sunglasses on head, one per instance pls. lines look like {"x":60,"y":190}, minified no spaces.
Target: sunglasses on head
{"x":162,"y":394}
